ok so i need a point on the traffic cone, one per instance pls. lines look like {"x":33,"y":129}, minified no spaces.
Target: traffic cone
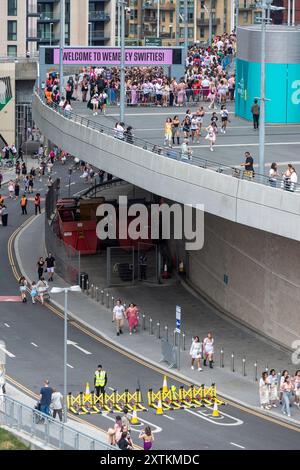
{"x":165,"y":273}
{"x":215,"y":410}
{"x":87,"y":389}
{"x":134,"y":419}
{"x":159,"y":409}
{"x":165,"y":385}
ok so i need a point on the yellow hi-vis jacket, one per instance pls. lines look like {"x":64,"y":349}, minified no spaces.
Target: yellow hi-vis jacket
{"x":100,"y":378}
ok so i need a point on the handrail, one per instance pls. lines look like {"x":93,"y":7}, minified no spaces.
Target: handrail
{"x":28,"y":419}
{"x":175,"y":154}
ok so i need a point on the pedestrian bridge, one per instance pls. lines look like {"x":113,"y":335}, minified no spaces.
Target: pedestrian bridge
{"x":250,"y":203}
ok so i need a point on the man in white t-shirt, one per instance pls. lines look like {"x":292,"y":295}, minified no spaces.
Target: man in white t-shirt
{"x":118,"y":316}
{"x":57,"y":404}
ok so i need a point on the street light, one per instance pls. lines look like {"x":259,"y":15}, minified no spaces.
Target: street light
{"x":158,"y":18}
{"x":90,"y":33}
{"x":61,"y":47}
{"x":59,"y":290}
{"x":122,"y":4}
{"x":265,"y":6}
{"x":51,"y":27}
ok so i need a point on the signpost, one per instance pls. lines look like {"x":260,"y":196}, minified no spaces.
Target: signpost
{"x":178,"y":329}
{"x":153,"y":42}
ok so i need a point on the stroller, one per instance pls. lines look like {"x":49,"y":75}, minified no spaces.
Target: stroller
{"x":38,"y":418}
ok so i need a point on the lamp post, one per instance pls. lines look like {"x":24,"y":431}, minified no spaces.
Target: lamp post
{"x":237,"y":12}
{"x":122,"y":64}
{"x":158,"y":18}
{"x":264,"y":5}
{"x":90,"y":33}
{"x":61,"y":47}
{"x":186,"y":32}
{"x":59,"y":290}
{"x":51,"y":28}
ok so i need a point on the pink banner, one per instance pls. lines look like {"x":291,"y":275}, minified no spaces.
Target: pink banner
{"x":112,"y":56}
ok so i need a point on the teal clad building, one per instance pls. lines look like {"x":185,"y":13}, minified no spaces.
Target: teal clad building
{"x":282,"y":72}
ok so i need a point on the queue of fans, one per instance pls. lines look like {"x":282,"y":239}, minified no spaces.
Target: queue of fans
{"x":207,"y":76}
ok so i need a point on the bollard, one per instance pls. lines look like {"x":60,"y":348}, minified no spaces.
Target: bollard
{"x":267,"y":368}
{"x":107,"y":300}
{"x":87,"y":288}
{"x":113,"y":301}
{"x":167,"y":333}
{"x":232,"y":362}
{"x":222,"y":358}
{"x":150,"y":326}
{"x":97,"y":294}
{"x":92,"y":291}
{"x":143,"y":321}
{"x":244,"y":366}
{"x":183,"y":341}
{"x":174,"y":338}
{"x":255,"y":371}
{"x":158,"y":330}
{"x":102,"y":297}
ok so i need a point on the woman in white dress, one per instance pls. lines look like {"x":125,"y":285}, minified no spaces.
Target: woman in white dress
{"x":264,"y":391}
{"x":208,"y":350}
{"x":273,"y":379}
{"x":195,"y":352}
{"x":211,"y":136}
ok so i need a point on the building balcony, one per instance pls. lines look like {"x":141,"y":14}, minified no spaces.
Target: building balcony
{"x":48,"y":17}
{"x":32,"y":12}
{"x":150,"y":19}
{"x":205,"y":21}
{"x":99,"y":16}
{"x":151,"y":5}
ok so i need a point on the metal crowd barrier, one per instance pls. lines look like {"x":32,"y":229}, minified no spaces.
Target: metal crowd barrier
{"x":191,"y":397}
{"x":90,"y":403}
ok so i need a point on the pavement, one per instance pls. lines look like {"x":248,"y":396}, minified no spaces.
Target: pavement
{"x":282,"y":140}
{"x":159,"y":303}
{"x":34,"y":337}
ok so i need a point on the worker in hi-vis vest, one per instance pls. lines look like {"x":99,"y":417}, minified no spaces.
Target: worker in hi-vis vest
{"x":100,"y":380}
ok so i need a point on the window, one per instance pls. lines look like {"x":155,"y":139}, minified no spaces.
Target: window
{"x":190,"y":32}
{"x":133,"y":29}
{"x":202,"y":4}
{"x":11,"y":30}
{"x":245,"y":17}
{"x":202,"y":31}
{"x":12,"y":51}
{"x":163,"y":16}
{"x":12,"y":7}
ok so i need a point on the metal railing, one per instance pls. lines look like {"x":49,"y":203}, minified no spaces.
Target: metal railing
{"x":47,"y":430}
{"x":173,"y":153}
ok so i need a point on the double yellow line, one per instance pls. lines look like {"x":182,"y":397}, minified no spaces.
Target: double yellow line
{"x":130,"y":356}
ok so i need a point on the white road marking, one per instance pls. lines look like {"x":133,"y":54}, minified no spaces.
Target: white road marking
{"x":71,"y":184}
{"x":154,"y":428}
{"x":202,"y":415}
{"x":7,"y":325}
{"x":72,"y":343}
{"x":237,"y":445}
{"x":112,"y":389}
{"x":269,"y":144}
{"x":169,"y":417}
{"x":69,"y":365}
{"x":228,"y":129}
{"x":35,"y":345}
{"x":9,"y":354}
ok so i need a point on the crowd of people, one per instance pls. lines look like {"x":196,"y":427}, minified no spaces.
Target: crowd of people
{"x":207,"y":76}
{"x":120,"y":434}
{"x":276,"y":389}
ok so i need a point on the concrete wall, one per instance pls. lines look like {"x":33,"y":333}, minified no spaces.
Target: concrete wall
{"x":263,"y":270}
{"x":7,"y":115}
{"x":240,"y":201}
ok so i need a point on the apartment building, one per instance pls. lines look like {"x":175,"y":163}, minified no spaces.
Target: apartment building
{"x":27,"y":24}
